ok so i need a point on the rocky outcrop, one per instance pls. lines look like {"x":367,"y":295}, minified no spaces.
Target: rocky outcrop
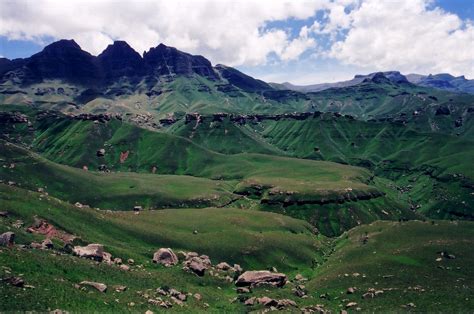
{"x":261,"y":277}
{"x":166,"y":257}
{"x":7,"y":239}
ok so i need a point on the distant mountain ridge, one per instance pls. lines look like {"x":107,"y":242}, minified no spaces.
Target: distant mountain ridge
{"x":66,"y":60}
{"x":441,"y":81}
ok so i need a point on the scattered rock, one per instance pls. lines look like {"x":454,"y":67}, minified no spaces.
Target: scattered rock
{"x":243,"y":290}
{"x":256,"y":278}
{"x":351,"y":304}
{"x":124,"y":267}
{"x":165,"y":256}
{"x":300,"y":291}
{"x":47,"y":244}
{"x":368,"y":295}
{"x":267,"y":301}
{"x":96,"y":285}
{"x":237,"y":268}
{"x":36,"y":245}
{"x":286,"y":303}
{"x":250,"y":301}
{"x":197,"y":266}
{"x":223,"y":266}
{"x":120,"y":288}
{"x":15,"y":281}
{"x":300,"y":277}
{"x":7,"y":239}
{"x":3,"y":214}
{"x":137,"y":208}
{"x":351,"y":290}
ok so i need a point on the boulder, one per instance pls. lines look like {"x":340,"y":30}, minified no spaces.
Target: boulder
{"x":197,"y":266}
{"x":267,"y":301}
{"x":7,"y":239}
{"x":94,"y":251}
{"x":261,"y":277}
{"x":124,"y":267}
{"x":223,"y":266}
{"x":96,"y":285}
{"x":165,"y":256}
{"x":101,"y":152}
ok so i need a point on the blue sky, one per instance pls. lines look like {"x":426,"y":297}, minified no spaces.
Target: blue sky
{"x":300,"y":41}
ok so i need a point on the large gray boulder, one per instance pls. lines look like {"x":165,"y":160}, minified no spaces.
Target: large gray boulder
{"x":94,"y":251}
{"x":165,"y":256}
{"x":261,"y":277}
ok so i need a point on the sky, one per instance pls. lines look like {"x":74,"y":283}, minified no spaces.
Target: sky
{"x":298,"y":41}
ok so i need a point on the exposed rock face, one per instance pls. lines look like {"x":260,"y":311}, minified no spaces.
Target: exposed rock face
{"x":62,"y":59}
{"x":165,"y":256}
{"x":7,"y":239}
{"x":261,"y":277}
{"x":96,"y":285}
{"x":119,"y":59}
{"x":94,"y":251}
{"x":164,"y":60}
{"x":241,"y":80}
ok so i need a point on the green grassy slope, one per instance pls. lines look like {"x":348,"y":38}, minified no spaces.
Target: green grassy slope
{"x":256,"y":240}
{"x":323,"y":193}
{"x":109,"y":190}
{"x":402,"y":257}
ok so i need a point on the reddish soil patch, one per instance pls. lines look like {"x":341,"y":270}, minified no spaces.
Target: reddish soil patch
{"x":123,"y":156}
{"x":45,"y":228}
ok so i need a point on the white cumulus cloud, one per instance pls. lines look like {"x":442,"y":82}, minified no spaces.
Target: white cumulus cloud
{"x":230,"y":32}
{"x":406,"y":35}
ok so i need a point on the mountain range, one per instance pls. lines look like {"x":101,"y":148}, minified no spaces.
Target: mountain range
{"x":442,"y":81}
{"x":66,"y":60}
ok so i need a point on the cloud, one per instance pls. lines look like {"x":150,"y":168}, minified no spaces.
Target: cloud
{"x":233,"y":33}
{"x":408,"y":36}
